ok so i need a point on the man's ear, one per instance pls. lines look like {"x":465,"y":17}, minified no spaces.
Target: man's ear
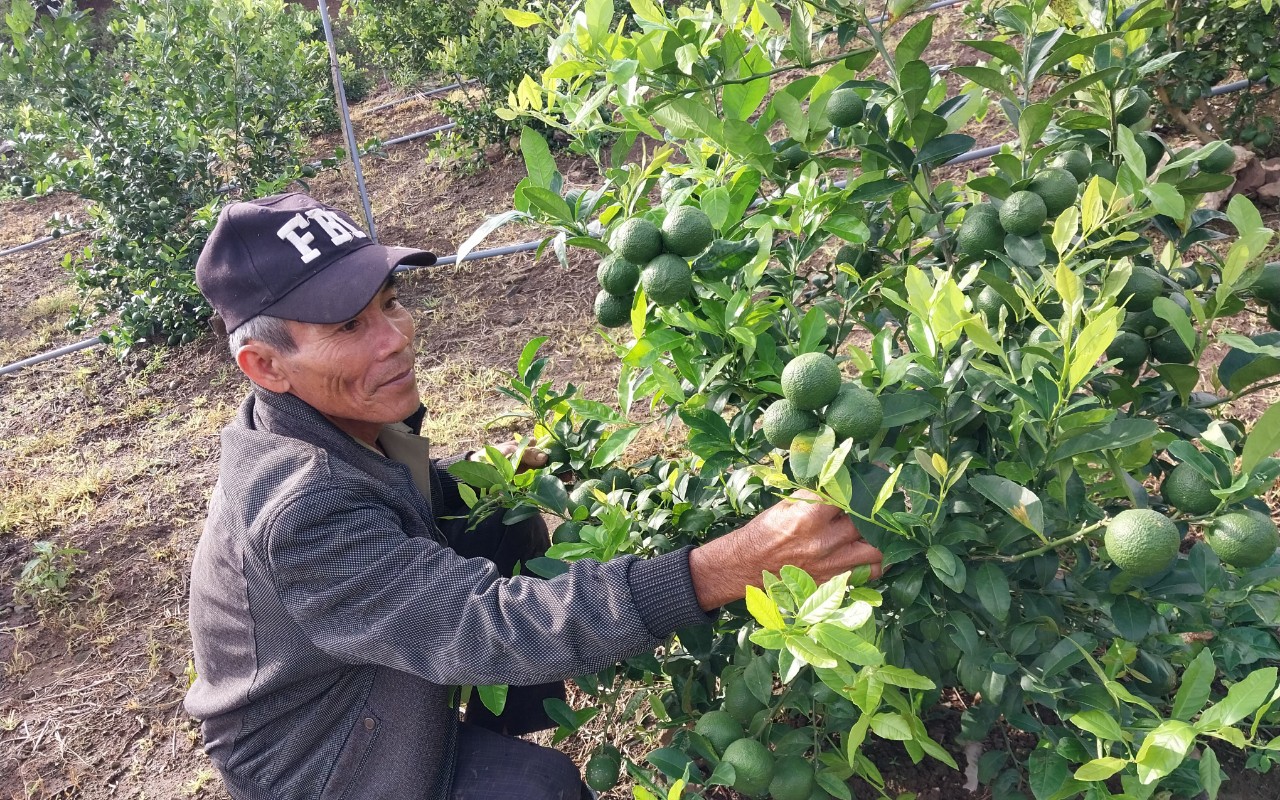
{"x":262,"y":364}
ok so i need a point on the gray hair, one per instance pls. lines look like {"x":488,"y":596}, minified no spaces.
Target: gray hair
{"x":271,"y":331}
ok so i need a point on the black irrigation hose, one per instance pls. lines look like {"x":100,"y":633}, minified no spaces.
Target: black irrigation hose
{"x":524,"y":247}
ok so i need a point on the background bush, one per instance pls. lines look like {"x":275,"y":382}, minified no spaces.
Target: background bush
{"x":154,"y":118}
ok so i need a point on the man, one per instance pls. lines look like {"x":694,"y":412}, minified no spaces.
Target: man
{"x":331,"y":617}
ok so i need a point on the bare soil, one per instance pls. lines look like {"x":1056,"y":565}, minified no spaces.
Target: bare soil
{"x":117,"y":460}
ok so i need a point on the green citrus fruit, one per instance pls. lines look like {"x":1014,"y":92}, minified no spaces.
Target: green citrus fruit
{"x":752,"y":765}
{"x":1075,"y":162}
{"x":1144,"y":323}
{"x":810,"y":381}
{"x":792,"y":779}
{"x":1058,"y":188}
{"x":1266,"y":286}
{"x":979,"y":232}
{"x":740,"y":703}
{"x":1142,"y":542}
{"x":637,"y":240}
{"x":614,"y":479}
{"x":1186,"y":277}
{"x":719,"y":728}
{"x":792,"y":157}
{"x":1104,"y":169}
{"x":783,"y":422}
{"x":617,"y":276}
{"x":988,"y":303}
{"x":584,"y":492}
{"x":863,"y":261}
{"x":1142,"y":289}
{"x":1219,"y":157}
{"x":567,"y":532}
{"x":603,"y":768}
{"x":845,"y":107}
{"x":1152,"y":148}
{"x":1130,"y":348}
{"x":667,"y":279}
{"x":855,"y":413}
{"x":687,"y":231}
{"x":1243,"y":538}
{"x":1187,"y":490}
{"x":612,"y":311}
{"x":1136,"y":108}
{"x":1273,"y":316}
{"x":1023,"y":213}
{"x":1168,"y":348}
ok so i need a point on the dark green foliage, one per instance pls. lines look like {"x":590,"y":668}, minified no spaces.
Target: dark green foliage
{"x":168,"y":104}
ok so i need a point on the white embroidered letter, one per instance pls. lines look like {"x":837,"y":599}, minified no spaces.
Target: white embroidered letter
{"x":302,"y":241}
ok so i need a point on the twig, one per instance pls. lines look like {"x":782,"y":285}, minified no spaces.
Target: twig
{"x":1182,"y":118}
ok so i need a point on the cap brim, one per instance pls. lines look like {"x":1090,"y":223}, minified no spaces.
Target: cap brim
{"x":340,"y":291}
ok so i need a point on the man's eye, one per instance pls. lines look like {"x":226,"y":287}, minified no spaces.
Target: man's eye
{"x":393,"y":301}
{"x":350,"y":325}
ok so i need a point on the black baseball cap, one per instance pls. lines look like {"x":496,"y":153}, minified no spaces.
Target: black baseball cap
{"x":292,"y":257}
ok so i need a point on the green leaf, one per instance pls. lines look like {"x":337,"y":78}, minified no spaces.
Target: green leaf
{"x":477,"y":473}
{"x":614,"y":445}
{"x":764,"y":609}
{"x":1169,"y":311}
{"x":1033,"y":122}
{"x":904,"y":678}
{"x":913,"y":42}
{"x":1166,"y":200}
{"x":811,"y":652}
{"x":809,"y":451}
{"x":1248,"y":362}
{"x":1091,"y":344}
{"x":892,"y":726}
{"x":1101,"y":724}
{"x":993,"y":590}
{"x":715,"y":203}
{"x":824,"y":600}
{"x":521,"y":19}
{"x":1018,"y":501}
{"x":1163,"y":750}
{"x":847,"y":644}
{"x":538,"y":161}
{"x":1121,"y":433}
{"x":1050,"y":776}
{"x":1263,"y":440}
{"x":944,"y":562}
{"x":1210,"y":772}
{"x":493,"y":697}
{"x":1193,"y":692}
{"x":1100,"y":769}
{"x":1243,"y":698}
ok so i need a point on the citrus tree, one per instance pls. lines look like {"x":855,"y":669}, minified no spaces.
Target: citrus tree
{"x":1006,"y":377}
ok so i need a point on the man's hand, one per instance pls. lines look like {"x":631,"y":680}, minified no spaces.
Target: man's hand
{"x":532,"y":458}
{"x":819,"y":539}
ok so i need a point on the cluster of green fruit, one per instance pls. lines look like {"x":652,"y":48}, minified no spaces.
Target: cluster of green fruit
{"x":810,"y":383}
{"x":655,"y":258}
{"x":757,"y":770}
{"x":1146,"y":543}
{"x":1024,"y":212}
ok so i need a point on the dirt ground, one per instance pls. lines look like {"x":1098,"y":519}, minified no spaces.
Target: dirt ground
{"x":117,"y":461}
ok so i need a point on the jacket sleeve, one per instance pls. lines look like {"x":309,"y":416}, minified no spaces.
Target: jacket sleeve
{"x":364,"y":592}
{"x":444,"y":487}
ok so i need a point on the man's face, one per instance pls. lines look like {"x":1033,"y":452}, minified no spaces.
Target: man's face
{"x":358,"y":373}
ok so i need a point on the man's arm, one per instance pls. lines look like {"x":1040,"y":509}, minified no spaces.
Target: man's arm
{"x":820,"y":539}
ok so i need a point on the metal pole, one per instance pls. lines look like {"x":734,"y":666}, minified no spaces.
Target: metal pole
{"x":336,"y":72}
{"x":52,"y":354}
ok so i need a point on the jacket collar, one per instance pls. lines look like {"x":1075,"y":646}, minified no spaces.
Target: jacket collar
{"x":286,"y":415}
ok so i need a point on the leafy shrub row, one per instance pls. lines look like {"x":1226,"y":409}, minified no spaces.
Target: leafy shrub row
{"x":156,"y":116}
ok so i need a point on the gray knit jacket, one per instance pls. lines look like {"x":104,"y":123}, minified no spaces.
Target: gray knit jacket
{"x":329,"y":619}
